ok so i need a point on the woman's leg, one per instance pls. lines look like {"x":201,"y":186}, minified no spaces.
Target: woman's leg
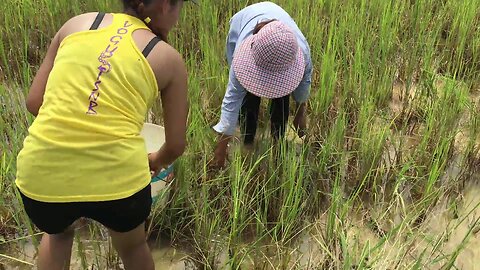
{"x":279,"y":111}
{"x":125,"y":220}
{"x":55,"y":251}
{"x":133,"y":249}
{"x":249,"y":117}
{"x":55,"y":219}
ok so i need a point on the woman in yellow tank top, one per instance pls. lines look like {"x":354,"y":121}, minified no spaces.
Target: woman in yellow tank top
{"x":83,"y":156}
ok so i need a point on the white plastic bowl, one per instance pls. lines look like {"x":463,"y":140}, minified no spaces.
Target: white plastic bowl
{"x":154,"y":136}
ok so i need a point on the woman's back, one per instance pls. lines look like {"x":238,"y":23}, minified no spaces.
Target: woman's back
{"x":84,"y":156}
{"x":100,"y":81}
{"x":95,"y":102}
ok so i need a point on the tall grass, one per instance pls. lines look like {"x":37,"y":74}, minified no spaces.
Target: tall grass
{"x":395,"y":83}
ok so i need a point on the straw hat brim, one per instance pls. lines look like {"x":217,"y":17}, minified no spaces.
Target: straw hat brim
{"x":262,"y":82}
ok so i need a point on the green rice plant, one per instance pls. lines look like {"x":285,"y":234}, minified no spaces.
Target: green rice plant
{"x":258,"y":207}
{"x":293,"y":175}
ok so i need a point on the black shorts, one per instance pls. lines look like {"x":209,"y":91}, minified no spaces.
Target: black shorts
{"x":119,"y":215}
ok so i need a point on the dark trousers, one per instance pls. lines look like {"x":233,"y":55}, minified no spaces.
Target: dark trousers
{"x":279,"y":111}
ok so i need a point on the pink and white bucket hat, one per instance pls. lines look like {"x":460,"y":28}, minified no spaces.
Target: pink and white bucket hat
{"x":270,"y":64}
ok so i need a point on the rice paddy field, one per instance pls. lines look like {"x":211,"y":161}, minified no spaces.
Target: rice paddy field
{"x":386,"y":178}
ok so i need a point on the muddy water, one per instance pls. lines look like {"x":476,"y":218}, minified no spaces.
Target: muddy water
{"x":22,"y":256}
{"x":464,"y":224}
{"x":441,"y":234}
{"x":451,"y":225}
{"x":437,"y":239}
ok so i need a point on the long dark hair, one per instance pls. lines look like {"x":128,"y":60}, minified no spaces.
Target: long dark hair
{"x":260,"y":25}
{"x":133,"y":4}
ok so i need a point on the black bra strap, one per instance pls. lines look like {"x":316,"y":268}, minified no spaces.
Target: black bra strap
{"x":98,"y":21}
{"x":150,"y":46}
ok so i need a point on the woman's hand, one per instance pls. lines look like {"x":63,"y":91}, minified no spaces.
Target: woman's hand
{"x":219,"y":158}
{"x":300,"y":121}
{"x":155,"y":164}
{"x":220,"y":153}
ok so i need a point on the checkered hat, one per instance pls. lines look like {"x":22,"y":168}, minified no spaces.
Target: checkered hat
{"x":270,"y":64}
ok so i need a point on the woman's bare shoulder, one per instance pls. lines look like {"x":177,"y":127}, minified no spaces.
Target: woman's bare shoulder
{"x":82,"y":22}
{"x":167,"y":63}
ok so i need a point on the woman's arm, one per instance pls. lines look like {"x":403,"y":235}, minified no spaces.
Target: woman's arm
{"x":301,"y":95}
{"x":232,"y":102}
{"x":37,"y":90}
{"x":175,"y":110}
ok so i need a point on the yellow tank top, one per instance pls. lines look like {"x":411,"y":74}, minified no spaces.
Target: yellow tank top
{"x":85,"y":143}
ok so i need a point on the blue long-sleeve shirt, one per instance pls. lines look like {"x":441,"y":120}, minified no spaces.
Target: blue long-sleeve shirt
{"x":242,"y":25}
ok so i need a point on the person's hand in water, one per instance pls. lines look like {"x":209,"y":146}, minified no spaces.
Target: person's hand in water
{"x":221,"y":153}
{"x":300,"y":121}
